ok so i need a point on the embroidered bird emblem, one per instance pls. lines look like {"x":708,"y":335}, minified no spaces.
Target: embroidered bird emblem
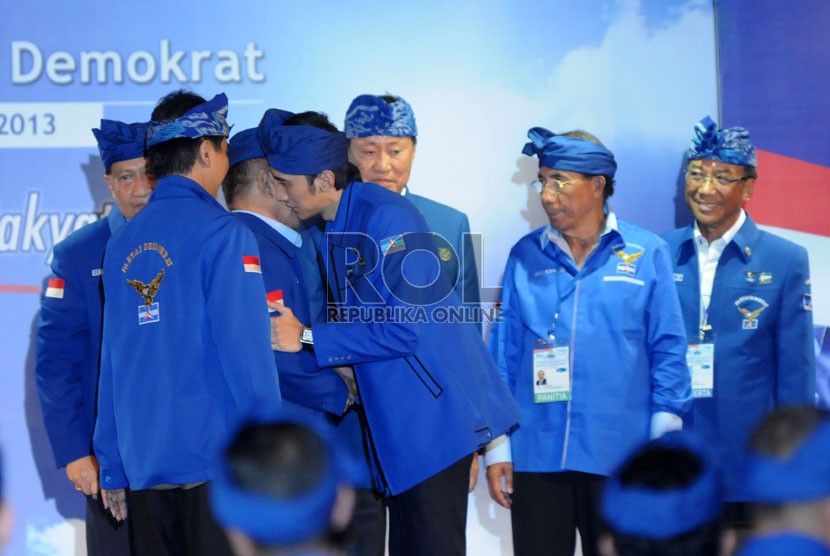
{"x":751,"y":315}
{"x":147,"y":291}
{"x":628,"y":259}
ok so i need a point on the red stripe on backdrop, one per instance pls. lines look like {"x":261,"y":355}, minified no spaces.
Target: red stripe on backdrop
{"x":15,"y":288}
{"x":791,"y":193}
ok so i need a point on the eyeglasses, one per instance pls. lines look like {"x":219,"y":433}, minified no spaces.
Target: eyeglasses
{"x":553,"y":186}
{"x":699,"y":178}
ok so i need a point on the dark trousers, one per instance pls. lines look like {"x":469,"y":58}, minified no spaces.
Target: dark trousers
{"x":367,"y":531}
{"x":175,"y":522}
{"x":430,"y":519}
{"x":104,"y":535}
{"x":549,"y":507}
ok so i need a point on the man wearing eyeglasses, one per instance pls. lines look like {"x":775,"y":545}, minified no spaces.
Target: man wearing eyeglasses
{"x":587,"y":302}
{"x":746,"y":302}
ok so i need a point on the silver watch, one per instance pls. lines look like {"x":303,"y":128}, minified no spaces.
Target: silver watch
{"x":307,"y":337}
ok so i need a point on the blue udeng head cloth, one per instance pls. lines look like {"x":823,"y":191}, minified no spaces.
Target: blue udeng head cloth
{"x":205,"y":120}
{"x":300,"y":150}
{"x":662,"y":514}
{"x":244,"y":146}
{"x":273,"y":521}
{"x":731,"y":145}
{"x":570,"y":153}
{"x":804,"y":476}
{"x":118,"y":141}
{"x":370,"y":115}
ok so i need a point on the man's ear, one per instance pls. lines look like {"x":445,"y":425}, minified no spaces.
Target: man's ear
{"x":205,"y":153}
{"x":264,"y":184}
{"x":325,"y":180}
{"x":109,"y":180}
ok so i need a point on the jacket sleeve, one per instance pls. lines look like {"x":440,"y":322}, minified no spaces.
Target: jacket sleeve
{"x":671,"y":389}
{"x":795,"y":352}
{"x":239,"y":321}
{"x":471,"y":293}
{"x":105,"y":439}
{"x":505,"y":334}
{"x":64,"y":366}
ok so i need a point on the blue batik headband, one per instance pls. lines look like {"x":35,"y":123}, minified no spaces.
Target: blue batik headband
{"x":570,"y":153}
{"x":270,"y":520}
{"x":663,"y":514}
{"x":205,"y":120}
{"x":370,"y":115}
{"x":244,"y":146}
{"x":118,"y":141}
{"x":301,"y":150}
{"x":802,"y":477}
{"x":731,"y":145}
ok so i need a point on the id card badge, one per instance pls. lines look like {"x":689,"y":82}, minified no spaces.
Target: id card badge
{"x":551,"y":373}
{"x":701,"y":361}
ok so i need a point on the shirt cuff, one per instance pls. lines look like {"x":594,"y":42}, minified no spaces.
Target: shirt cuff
{"x":498,"y":451}
{"x":663,"y":422}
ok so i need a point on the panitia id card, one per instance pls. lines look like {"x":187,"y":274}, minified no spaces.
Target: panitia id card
{"x":551,"y":374}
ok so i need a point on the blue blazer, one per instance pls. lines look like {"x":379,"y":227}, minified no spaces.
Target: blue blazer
{"x":452,"y":225}
{"x":301,"y":380}
{"x":69,"y":340}
{"x":431,"y":392}
{"x":760,"y":363}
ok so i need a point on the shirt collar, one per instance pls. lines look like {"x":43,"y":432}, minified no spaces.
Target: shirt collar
{"x":291,"y":235}
{"x":115,"y":219}
{"x":727,"y":236}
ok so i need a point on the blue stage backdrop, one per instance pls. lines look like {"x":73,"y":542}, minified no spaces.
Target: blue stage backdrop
{"x":479,"y":73}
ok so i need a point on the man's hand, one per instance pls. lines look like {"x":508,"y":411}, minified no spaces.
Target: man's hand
{"x":285,"y":329}
{"x":474,"y":472}
{"x":501,"y":493}
{"x":83,"y":472}
{"x":347,"y":374}
{"x":116,"y":502}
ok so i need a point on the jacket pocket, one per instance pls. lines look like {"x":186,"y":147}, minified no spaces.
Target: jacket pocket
{"x":424,"y":376}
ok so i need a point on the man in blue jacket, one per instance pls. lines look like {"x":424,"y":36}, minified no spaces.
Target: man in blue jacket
{"x":746,"y":302}
{"x":588,"y":300}
{"x":185,"y":349}
{"x":430,"y":391}
{"x":382,"y":136}
{"x":69,"y":330}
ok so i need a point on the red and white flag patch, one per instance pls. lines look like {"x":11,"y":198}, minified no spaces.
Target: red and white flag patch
{"x":251,"y":264}
{"x":55,"y":288}
{"x":275,"y":295}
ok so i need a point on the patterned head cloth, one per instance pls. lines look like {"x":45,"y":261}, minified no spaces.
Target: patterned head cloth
{"x":271,"y":520}
{"x":300,"y":150}
{"x":571,"y":154}
{"x":118,"y":141}
{"x":640,"y":511}
{"x":804,"y":476}
{"x":370,"y":115}
{"x":205,"y":120}
{"x":731,"y":145}
{"x":244,"y":146}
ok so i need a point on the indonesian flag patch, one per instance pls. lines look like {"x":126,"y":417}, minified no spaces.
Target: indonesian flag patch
{"x":251,"y":264}
{"x":275,"y":295}
{"x":55,"y":288}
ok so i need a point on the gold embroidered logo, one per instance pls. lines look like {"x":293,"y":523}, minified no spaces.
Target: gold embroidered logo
{"x":147,"y":291}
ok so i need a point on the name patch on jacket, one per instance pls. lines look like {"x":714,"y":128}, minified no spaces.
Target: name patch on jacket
{"x":751,"y":308}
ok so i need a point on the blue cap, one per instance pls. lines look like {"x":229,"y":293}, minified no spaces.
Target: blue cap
{"x":282,"y":521}
{"x":804,"y":476}
{"x":571,"y":154}
{"x":118,"y":141}
{"x":370,"y":115}
{"x":731,"y":145}
{"x":244,"y":146}
{"x":205,"y":120}
{"x":640,"y":511}
{"x":300,"y":149}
